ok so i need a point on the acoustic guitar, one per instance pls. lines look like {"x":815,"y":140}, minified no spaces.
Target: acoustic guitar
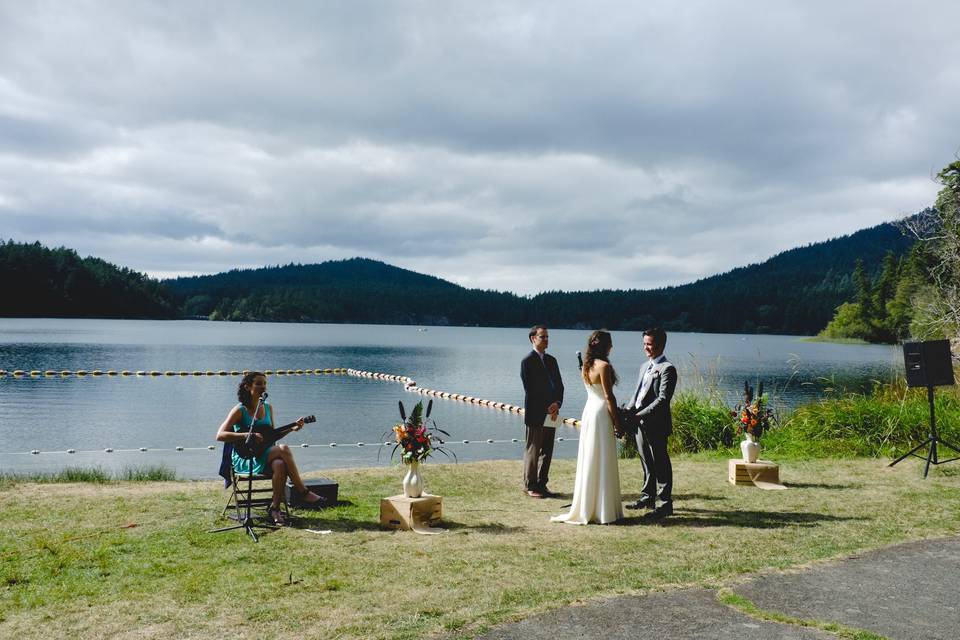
{"x":268,"y":436}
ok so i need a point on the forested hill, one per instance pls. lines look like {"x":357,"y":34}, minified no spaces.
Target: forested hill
{"x":795,"y":292}
{"x":57,"y":283}
{"x":354,"y":290}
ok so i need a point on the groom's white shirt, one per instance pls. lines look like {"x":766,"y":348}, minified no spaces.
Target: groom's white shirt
{"x":646,"y":377}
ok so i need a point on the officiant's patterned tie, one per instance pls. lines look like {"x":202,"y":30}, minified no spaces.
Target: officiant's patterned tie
{"x":543,"y":361}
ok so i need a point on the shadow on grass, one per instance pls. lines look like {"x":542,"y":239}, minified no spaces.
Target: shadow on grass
{"x":496,"y":528}
{"x":748,"y":519}
{"x":696,"y":496}
{"x":821,"y":485}
{"x":633,"y":497}
{"x":322,"y":517}
{"x":333,"y":522}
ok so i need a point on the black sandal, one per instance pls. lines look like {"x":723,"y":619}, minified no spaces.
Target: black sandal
{"x":277,"y":517}
{"x":319,"y":502}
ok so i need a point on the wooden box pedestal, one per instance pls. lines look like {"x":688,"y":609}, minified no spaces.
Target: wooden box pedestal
{"x":419,"y":514}
{"x":761,"y":473}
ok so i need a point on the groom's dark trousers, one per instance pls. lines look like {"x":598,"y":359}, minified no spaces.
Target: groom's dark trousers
{"x":657,"y":468}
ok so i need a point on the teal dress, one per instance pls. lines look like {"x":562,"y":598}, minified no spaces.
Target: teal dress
{"x":256,"y":465}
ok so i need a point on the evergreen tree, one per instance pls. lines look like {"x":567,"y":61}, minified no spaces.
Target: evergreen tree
{"x":58,"y":283}
{"x":886,"y":284}
{"x":864,"y":293}
{"x":883,"y":291}
{"x":910,"y":283}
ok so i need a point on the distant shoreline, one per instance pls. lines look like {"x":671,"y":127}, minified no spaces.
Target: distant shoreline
{"x":575,"y":327}
{"x":840,"y":340}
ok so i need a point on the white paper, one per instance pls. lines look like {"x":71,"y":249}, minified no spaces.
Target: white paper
{"x":552,"y":422}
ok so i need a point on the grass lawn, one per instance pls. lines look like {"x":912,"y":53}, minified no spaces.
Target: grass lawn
{"x":71,"y":566}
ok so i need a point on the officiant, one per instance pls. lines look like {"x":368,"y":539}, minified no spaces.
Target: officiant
{"x":543,"y":396}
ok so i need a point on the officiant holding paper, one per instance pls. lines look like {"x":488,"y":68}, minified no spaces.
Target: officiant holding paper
{"x":543,"y":396}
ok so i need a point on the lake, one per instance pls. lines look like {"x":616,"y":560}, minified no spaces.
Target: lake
{"x":90,"y":414}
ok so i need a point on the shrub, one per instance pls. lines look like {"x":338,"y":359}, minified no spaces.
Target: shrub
{"x":889,"y":420}
{"x":700,"y":422}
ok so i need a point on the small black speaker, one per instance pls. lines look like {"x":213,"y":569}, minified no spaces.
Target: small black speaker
{"x":323,"y":487}
{"x":928,"y":364}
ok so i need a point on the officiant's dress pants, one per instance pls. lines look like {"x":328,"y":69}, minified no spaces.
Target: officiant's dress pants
{"x":657,"y":469}
{"x":537,"y":457}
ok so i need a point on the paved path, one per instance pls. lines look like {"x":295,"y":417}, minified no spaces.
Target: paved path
{"x":909,"y":591}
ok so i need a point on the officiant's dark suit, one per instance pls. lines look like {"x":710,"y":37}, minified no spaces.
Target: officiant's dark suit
{"x":654,"y":421}
{"x":543,"y":394}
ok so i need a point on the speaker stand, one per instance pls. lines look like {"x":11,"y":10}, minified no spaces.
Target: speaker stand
{"x":932,"y":441}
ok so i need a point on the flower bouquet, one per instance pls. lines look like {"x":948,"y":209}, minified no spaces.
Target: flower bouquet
{"x":753,"y":417}
{"x":416,"y":442}
{"x":413,"y":439}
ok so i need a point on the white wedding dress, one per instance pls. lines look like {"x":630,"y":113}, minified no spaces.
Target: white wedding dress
{"x":596,"y":490}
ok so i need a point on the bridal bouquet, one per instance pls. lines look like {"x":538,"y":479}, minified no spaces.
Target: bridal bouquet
{"x":753,"y":417}
{"x":414,"y":440}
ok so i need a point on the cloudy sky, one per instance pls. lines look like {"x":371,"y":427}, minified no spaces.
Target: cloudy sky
{"x":521,"y":146}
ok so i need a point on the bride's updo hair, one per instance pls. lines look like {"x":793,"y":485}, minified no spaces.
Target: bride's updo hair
{"x":598,"y":348}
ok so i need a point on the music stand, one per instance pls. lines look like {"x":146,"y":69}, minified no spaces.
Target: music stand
{"x":929,"y":364}
{"x":247,"y":523}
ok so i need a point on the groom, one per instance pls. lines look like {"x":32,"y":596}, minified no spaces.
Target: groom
{"x":543,"y":395}
{"x":650,"y":409}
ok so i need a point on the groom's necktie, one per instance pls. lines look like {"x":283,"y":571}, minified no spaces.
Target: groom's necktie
{"x":643,"y":384}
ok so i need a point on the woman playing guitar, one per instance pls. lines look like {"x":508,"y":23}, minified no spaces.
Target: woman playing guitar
{"x":276,"y":460}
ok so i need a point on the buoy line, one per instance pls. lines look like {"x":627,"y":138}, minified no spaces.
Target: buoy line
{"x":409,"y":385}
{"x":408,"y":382}
{"x":329,"y":445}
{"x":490,"y":404}
{"x":82,"y":373}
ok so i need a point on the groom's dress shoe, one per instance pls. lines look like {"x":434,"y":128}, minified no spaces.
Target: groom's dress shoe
{"x":663,"y":511}
{"x":658,"y":515}
{"x":642,"y":504}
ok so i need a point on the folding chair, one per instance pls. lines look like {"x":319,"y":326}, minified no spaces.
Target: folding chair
{"x":245,"y":496}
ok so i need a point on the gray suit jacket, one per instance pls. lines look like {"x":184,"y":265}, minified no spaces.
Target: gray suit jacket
{"x":652,"y":406}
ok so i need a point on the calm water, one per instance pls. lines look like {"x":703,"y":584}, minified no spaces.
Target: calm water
{"x":90,"y":414}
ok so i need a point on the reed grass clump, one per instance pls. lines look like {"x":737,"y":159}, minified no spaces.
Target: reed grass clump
{"x":883,"y":420}
{"x":91,"y":475}
{"x":154,"y":473}
{"x":887,"y":420}
{"x":701,"y":421}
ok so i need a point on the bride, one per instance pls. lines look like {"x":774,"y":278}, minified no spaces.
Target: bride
{"x":596,"y":490}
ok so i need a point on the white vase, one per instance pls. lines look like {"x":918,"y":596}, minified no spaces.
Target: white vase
{"x":750,"y":448}
{"x":413,"y":481}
